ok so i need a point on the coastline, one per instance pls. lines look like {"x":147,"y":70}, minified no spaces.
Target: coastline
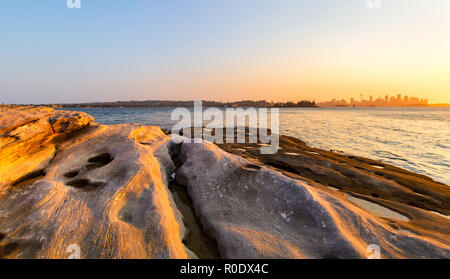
{"x":65,"y":162}
{"x":401,"y":141}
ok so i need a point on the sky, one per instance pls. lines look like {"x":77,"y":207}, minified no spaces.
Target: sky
{"x":224,"y":50}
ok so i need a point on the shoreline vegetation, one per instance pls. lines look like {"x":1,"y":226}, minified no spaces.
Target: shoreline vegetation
{"x":237,"y":104}
{"x":188,"y":104}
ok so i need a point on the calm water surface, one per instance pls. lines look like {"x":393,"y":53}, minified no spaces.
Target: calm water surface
{"x":417,"y":139}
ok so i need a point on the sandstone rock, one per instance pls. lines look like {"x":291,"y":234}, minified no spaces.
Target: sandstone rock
{"x":66,"y":183}
{"x":350,"y":173}
{"x":11,"y":118}
{"x":256,"y":212}
{"x":67,"y":121}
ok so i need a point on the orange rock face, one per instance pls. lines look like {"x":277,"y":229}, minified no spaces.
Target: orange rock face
{"x":67,"y":182}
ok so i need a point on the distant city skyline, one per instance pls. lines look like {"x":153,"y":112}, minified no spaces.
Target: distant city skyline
{"x":229,"y":50}
{"x":387,"y":101}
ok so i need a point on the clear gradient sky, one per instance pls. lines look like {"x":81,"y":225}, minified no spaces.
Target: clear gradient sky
{"x":222,"y":50}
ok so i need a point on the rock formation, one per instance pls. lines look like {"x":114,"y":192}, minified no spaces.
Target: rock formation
{"x":68,"y":182}
{"x":256,"y":212}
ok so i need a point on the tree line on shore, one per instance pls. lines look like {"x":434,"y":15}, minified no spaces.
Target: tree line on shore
{"x":163,"y":104}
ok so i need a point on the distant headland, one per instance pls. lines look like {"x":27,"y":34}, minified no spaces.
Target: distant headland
{"x":387,"y":101}
{"x":171,"y":104}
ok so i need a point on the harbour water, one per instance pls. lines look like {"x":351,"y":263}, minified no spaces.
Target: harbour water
{"x":417,"y":139}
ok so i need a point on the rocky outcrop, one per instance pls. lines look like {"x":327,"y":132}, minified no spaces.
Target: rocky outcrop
{"x":354,"y":174}
{"x":256,"y":212}
{"x":370,"y":184}
{"x":67,"y":182}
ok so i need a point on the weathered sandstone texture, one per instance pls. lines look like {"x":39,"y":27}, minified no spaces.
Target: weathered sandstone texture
{"x":256,"y":212}
{"x":66,"y":181}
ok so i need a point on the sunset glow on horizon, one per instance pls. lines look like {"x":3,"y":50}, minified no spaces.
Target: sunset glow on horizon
{"x":223,"y":50}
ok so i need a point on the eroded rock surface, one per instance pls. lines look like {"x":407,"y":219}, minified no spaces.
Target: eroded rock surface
{"x":66,"y":180}
{"x":256,"y":212}
{"x":416,"y":197}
